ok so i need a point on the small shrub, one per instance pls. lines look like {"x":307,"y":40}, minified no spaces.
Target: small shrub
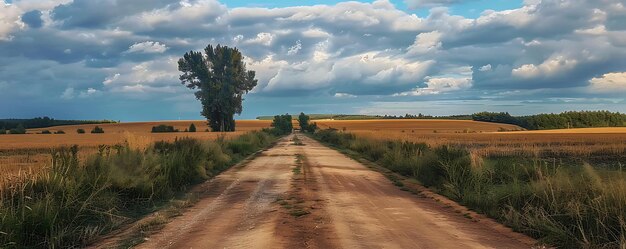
{"x":3,"y":131}
{"x":59,"y":132}
{"x":80,"y":131}
{"x":97,"y":130}
{"x":18,"y":130}
{"x":163,"y":129}
{"x":46,"y":132}
{"x":192,"y":128}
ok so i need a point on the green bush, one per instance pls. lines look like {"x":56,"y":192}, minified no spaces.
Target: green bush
{"x":18,"y":130}
{"x":97,"y":130}
{"x":282,"y":124}
{"x":3,"y":131}
{"x":46,"y":132}
{"x":80,"y":131}
{"x":59,"y":132}
{"x":192,"y":128}
{"x":163,"y":129}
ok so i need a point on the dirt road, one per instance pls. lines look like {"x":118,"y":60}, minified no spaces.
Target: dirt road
{"x":310,"y":196}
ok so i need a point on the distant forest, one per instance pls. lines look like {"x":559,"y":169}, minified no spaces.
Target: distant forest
{"x":565,"y":120}
{"x":44,"y":122}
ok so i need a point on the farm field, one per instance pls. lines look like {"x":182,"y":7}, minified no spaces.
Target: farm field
{"x":24,"y":154}
{"x":491,"y":139}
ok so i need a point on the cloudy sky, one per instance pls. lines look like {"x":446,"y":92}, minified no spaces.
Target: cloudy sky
{"x":114,"y":59}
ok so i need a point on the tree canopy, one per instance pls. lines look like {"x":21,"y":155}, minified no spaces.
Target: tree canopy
{"x":221,"y":79}
{"x":582,"y":119}
{"x":282,"y":124}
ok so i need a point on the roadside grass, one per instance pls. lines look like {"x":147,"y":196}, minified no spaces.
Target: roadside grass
{"x":73,"y":202}
{"x":570,"y":206}
{"x":296,"y":141}
{"x":294,"y":203}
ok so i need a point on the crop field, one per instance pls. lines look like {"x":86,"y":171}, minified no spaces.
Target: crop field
{"x":24,"y":154}
{"x":492,"y":139}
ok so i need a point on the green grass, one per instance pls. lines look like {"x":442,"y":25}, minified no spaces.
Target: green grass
{"x":74,"y":202}
{"x":569,"y":206}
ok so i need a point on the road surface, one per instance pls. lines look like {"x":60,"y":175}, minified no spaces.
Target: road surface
{"x":311,"y":196}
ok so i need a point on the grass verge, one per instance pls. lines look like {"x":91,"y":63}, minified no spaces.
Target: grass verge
{"x":571,"y":206}
{"x":73,"y":203}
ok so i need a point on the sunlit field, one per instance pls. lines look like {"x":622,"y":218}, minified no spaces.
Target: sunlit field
{"x":25,"y":154}
{"x":492,"y":139}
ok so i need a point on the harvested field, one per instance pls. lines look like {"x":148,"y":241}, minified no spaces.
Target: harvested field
{"x":20,"y":154}
{"x":492,"y":139}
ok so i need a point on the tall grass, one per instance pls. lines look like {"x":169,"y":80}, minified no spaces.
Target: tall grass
{"x":74,"y":201}
{"x":569,"y":206}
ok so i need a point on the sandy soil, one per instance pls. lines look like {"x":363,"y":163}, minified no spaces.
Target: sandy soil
{"x":311,"y":196}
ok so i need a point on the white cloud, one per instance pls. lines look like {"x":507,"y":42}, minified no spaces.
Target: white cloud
{"x":89,"y":93}
{"x":295,"y":48}
{"x":437,"y":85}
{"x":147,"y":47}
{"x":485,"y":68}
{"x":554,"y":65}
{"x":151,"y":76}
{"x":263,"y":38}
{"x":68,"y":93}
{"x":344,"y":95}
{"x":426,"y":42}
{"x":610,"y":82}
{"x":9,"y":21}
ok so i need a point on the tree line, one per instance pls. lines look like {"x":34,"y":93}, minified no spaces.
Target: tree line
{"x":565,"y":120}
{"x":44,"y":122}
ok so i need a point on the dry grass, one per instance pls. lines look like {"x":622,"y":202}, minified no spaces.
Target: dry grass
{"x":23,"y":154}
{"x":484,"y":139}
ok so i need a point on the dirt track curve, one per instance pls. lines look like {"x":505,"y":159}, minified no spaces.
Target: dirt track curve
{"x":311,"y":196}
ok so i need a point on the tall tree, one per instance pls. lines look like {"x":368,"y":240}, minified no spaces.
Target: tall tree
{"x":221,"y":80}
{"x":303,"y":119}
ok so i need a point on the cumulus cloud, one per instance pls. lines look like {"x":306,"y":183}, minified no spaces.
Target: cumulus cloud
{"x":610,"y":82}
{"x":344,"y":95}
{"x":68,"y":93}
{"x":147,"y":47}
{"x":347,"y":49}
{"x":550,"y":67}
{"x":263,"y":38}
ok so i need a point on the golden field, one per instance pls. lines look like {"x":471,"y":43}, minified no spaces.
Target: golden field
{"x":491,"y":139}
{"x":30,"y":152}
{"x":21,"y":154}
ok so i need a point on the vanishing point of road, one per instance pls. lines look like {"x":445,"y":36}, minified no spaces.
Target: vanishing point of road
{"x":311,"y":196}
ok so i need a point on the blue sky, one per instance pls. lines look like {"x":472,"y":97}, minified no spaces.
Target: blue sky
{"x":82,"y":59}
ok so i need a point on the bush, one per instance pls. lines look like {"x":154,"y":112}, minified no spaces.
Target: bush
{"x":163,"y":129}
{"x":46,"y":132}
{"x":192,"y":128}
{"x":59,"y":132}
{"x":3,"y":131}
{"x":97,"y":130}
{"x":282,"y":124}
{"x":18,"y":130}
{"x":80,"y":131}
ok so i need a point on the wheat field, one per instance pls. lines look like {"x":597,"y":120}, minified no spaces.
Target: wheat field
{"x":492,"y":139}
{"x":24,"y":154}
